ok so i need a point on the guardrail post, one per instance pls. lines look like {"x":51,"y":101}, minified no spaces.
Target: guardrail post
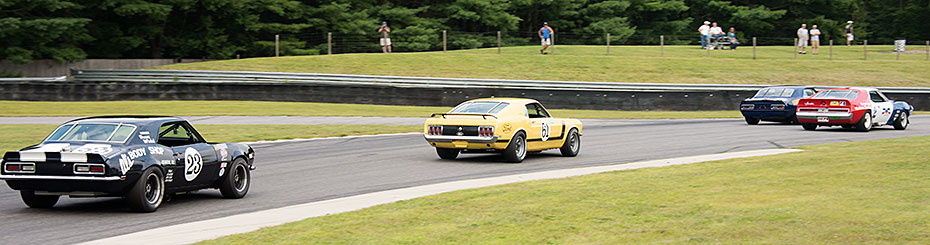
{"x":608,"y":44}
{"x":795,"y":48}
{"x":928,"y":50}
{"x":831,"y":49}
{"x":661,"y":45}
{"x":443,"y":41}
{"x":865,"y":49}
{"x":552,"y":39}
{"x":753,"y":47}
{"x":276,"y":44}
{"x":329,"y":43}
{"x":498,"y":42}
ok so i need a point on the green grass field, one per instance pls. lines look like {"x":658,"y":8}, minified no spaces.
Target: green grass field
{"x":260,"y":108}
{"x":17,"y":136}
{"x":680,"y":64}
{"x":857,"y":192}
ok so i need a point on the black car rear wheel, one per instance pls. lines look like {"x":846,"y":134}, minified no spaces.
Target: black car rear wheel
{"x":448,"y":154}
{"x":38,"y":201}
{"x":149,"y":191}
{"x":237,"y":180}
{"x":809,"y":126}
{"x":752,"y":121}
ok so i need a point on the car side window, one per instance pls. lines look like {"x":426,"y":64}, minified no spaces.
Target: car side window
{"x":876,"y":97}
{"x":176,"y":134}
{"x":535,"y":110}
{"x":809,"y":92}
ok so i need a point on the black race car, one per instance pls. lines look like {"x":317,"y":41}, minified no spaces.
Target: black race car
{"x":141,"y":158}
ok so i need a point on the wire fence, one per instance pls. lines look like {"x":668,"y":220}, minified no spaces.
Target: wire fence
{"x":574,"y":43}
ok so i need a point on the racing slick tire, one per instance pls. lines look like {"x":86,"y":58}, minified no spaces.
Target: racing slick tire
{"x":38,"y":201}
{"x":865,"y":123}
{"x":847,"y":126}
{"x":516,"y":150}
{"x":237,"y":181}
{"x":809,"y":126}
{"x":448,"y":154}
{"x":793,"y":120}
{"x":572,"y":144}
{"x":752,"y":121}
{"x":902,"y":122}
{"x":148,"y":192}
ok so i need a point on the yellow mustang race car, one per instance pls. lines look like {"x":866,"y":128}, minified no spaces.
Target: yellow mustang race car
{"x":501,"y":125}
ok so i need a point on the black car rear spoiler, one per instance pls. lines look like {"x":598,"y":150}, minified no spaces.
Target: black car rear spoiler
{"x":483,"y":115}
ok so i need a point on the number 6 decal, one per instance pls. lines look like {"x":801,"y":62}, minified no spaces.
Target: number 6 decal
{"x":545,"y":131}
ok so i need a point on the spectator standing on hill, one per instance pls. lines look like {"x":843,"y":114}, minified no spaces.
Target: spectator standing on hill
{"x":705,"y":34}
{"x":385,"y":37}
{"x":815,"y":39}
{"x":803,"y":36}
{"x":732,"y":36}
{"x":545,"y":35}
{"x":849,"y":33}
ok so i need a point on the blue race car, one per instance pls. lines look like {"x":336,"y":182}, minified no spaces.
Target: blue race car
{"x":776,"y":104}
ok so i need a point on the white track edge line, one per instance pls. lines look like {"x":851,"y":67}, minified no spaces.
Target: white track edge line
{"x":247,"y":222}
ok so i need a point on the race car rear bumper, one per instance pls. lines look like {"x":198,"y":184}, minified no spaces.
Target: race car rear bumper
{"x":469,"y":139}
{"x":831,"y":117}
{"x":67,"y":184}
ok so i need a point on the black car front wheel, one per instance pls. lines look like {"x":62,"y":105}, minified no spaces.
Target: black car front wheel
{"x":149,"y":191}
{"x":237,"y":181}
{"x":902,"y":122}
{"x":38,"y":201}
{"x":572,"y":144}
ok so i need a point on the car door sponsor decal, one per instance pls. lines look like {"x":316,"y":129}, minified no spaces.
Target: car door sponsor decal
{"x":146,"y":138}
{"x":155,"y":150}
{"x":222,"y":149}
{"x":126,"y":159}
{"x":193,"y":163}
{"x":545,"y":131}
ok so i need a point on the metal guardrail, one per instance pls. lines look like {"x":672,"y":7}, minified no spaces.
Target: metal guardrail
{"x":34,"y":79}
{"x":344,"y":79}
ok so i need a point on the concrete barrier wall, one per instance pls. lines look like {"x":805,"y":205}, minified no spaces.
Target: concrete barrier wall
{"x":384,"y":95}
{"x":52,"y":68}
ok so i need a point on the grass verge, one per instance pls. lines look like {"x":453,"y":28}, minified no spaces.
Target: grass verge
{"x":263,"y":108}
{"x":680,"y":64}
{"x":857,"y":192}
{"x":17,"y":136}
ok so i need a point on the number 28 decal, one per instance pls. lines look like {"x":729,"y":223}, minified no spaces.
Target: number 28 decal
{"x":545,"y":131}
{"x":193,"y":163}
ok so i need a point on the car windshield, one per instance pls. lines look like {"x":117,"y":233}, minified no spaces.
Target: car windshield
{"x":92,"y":132}
{"x":481,"y":107}
{"x":837,"y":94}
{"x":775,"y":92}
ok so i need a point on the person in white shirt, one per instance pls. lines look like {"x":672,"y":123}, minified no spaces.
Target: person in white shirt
{"x":716,"y":31}
{"x":803,"y":36}
{"x":815,"y":39}
{"x":705,"y":33}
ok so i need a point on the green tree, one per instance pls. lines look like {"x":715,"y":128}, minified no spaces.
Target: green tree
{"x":41,"y":29}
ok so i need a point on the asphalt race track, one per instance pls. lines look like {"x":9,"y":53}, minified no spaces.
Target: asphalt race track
{"x":300,"y":172}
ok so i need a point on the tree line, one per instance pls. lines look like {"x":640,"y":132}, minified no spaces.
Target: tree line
{"x":68,"y":30}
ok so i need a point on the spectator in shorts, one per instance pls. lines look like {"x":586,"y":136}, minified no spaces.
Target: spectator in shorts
{"x":732,"y":36}
{"x":815,"y":39}
{"x":705,"y":34}
{"x":849,"y":33}
{"x":803,"y":36}
{"x":385,"y":37}
{"x":545,"y":35}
